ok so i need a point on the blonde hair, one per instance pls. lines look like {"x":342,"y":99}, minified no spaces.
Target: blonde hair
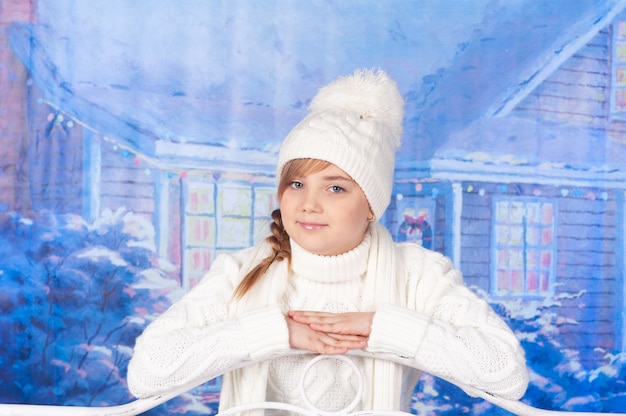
{"x":279,"y":239}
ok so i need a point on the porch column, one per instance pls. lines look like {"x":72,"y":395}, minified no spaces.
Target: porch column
{"x":455,"y":226}
{"x":620,"y":255}
{"x":92,"y":164}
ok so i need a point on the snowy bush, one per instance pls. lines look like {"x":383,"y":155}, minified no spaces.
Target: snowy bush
{"x":72,"y":305}
{"x":558,"y":381}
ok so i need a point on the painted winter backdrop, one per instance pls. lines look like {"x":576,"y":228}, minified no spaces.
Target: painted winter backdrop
{"x":139,"y":141}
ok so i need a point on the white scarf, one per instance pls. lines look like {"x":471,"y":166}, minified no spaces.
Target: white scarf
{"x":382,"y":378}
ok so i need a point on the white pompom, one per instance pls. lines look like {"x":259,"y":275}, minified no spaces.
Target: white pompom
{"x":373,"y":95}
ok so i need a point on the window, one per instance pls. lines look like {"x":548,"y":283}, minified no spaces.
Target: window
{"x":618,"y":71}
{"x":523,"y":240}
{"x":199,"y":231}
{"x":221,"y":217}
{"x":415,"y":219}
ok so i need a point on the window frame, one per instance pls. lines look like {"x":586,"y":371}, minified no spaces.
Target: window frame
{"x":218,"y":216}
{"x":618,"y":65}
{"x":524,"y":248}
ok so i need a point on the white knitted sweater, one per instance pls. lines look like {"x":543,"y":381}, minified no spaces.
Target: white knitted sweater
{"x":438,"y":325}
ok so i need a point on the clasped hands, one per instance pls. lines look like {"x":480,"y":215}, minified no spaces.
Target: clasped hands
{"x":329,"y":333}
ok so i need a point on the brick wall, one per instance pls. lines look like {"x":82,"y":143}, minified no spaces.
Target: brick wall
{"x":14,"y":194}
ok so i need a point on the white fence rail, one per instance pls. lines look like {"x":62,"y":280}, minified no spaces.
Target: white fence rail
{"x":139,"y":406}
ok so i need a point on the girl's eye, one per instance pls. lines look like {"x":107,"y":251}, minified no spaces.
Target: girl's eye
{"x":296,"y":184}
{"x":336,"y":189}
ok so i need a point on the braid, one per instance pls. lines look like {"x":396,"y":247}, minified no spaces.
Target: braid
{"x":279,"y":240}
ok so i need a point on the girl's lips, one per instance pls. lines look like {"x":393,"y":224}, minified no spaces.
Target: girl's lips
{"x":311,"y":225}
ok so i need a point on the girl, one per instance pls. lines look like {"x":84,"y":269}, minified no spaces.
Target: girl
{"x":330,"y":280}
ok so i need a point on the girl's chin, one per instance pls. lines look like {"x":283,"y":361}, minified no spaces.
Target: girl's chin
{"x":321,"y":251}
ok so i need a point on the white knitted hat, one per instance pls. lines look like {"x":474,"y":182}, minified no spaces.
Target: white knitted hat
{"x":355,"y":123}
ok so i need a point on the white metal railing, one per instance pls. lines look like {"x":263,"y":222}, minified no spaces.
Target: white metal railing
{"x":140,"y":406}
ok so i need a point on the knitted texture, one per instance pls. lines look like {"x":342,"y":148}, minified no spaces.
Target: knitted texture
{"x":328,"y":284}
{"x":438,"y":325}
{"x":355,"y":122}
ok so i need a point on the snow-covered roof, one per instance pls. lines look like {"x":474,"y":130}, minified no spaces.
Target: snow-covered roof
{"x":237,"y":75}
{"x":515,"y":149}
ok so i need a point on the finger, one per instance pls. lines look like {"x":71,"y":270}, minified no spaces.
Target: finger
{"x":342,"y":327}
{"x":345,"y":324}
{"x":328,"y":327}
{"x":308,"y":317}
{"x":348,"y":338}
{"x":341,"y":342}
{"x":335,"y":349}
{"x":335,"y":323}
{"x":324,"y":344}
{"x":332,"y":350}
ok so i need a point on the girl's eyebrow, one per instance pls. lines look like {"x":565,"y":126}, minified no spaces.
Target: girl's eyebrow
{"x":337,"y":178}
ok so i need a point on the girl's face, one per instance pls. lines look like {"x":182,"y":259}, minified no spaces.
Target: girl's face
{"x":325,"y":212}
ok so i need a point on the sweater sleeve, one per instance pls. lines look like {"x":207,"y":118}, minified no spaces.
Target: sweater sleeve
{"x":447,"y":330}
{"x":195,"y":341}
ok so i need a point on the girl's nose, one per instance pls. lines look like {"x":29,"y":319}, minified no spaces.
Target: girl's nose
{"x":310,"y":202}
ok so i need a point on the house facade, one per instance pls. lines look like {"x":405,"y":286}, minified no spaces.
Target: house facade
{"x":530,"y":204}
{"x":527,"y":200}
